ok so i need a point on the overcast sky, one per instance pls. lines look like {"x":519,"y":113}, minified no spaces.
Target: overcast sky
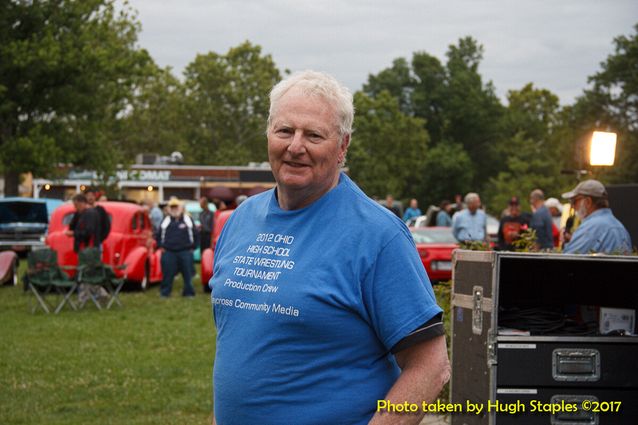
{"x":556,"y":44}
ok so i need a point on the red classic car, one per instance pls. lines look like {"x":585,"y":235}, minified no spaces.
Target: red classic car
{"x":130,"y":241}
{"x":221,"y":217}
{"x":435,"y":246}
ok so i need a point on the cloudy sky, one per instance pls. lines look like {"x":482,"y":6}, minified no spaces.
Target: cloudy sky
{"x":555,"y":44}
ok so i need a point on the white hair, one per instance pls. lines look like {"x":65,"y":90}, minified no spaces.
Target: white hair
{"x":320,"y":84}
{"x":471,"y":197}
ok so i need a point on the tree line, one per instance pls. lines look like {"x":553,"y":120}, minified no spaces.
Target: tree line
{"x":76,"y":88}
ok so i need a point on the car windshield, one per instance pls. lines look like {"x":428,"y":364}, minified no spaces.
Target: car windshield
{"x":433,"y":236}
{"x":24,"y":212}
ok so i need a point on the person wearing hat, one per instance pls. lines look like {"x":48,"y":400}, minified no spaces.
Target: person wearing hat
{"x":177,"y":237}
{"x":599,"y":230}
{"x":511,"y":226}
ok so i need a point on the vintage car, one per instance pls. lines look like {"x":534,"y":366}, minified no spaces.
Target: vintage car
{"x":221,"y":217}
{"x":129,"y":242}
{"x":8,"y":268}
{"x":435,"y":246}
{"x":23,"y":223}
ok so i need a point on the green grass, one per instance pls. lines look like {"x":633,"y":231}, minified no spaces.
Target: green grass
{"x":148,"y":363}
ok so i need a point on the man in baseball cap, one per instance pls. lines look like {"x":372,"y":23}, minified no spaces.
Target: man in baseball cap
{"x":599,"y":230}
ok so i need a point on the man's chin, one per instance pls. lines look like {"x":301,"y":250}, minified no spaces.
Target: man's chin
{"x":293,"y":182}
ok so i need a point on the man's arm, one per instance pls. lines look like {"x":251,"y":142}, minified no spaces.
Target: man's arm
{"x":456,"y":227}
{"x":425,"y":368}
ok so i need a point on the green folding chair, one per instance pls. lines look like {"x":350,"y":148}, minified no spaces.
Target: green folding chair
{"x":94,"y":274}
{"x":44,"y":277}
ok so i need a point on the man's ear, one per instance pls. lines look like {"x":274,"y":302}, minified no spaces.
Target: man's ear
{"x":343,"y":149}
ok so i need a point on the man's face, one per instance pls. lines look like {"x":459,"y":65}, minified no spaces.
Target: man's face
{"x":515,"y":210}
{"x":473,"y":205}
{"x":389,"y":201}
{"x":414,"y":204}
{"x":90,"y":197}
{"x":174,"y":211}
{"x":203,"y":202}
{"x":581,"y":205}
{"x":304,"y":146}
{"x":80,"y":206}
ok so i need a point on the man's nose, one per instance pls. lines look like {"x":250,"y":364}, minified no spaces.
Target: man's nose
{"x":297,"y":146}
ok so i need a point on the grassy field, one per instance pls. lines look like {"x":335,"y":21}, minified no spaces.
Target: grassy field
{"x":148,"y":363}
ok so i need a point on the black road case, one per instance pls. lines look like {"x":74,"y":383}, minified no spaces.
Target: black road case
{"x":525,"y":331}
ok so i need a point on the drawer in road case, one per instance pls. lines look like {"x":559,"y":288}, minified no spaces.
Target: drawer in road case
{"x":573,"y":406}
{"x":568,"y":362}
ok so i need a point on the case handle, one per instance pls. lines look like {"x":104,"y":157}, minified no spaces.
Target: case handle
{"x":576,"y":365}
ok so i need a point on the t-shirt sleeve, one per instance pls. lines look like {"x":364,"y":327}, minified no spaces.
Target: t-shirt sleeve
{"x":396,"y":291}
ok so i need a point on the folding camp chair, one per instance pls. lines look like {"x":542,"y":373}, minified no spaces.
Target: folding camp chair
{"x":93,"y":273}
{"x":45,"y":277}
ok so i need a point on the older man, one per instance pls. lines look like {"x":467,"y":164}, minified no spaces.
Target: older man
{"x":599,"y":230}
{"x":177,"y":237}
{"x":317,"y":316}
{"x":470,"y":223}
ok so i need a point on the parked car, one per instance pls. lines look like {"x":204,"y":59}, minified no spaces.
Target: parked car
{"x":435,"y":246}
{"x":52,"y":204}
{"x":194,"y":209}
{"x":23,"y":223}
{"x":130,"y":242}
{"x":8,"y":268}
{"x":208,"y":256}
{"x":429,"y":219}
{"x":492,"y":229}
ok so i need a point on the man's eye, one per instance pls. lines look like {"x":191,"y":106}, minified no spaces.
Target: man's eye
{"x":315,"y":137}
{"x":284,"y":131}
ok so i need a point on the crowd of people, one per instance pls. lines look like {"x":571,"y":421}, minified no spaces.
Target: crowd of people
{"x":590,"y":228}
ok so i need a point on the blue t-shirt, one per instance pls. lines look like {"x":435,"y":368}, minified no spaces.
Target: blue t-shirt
{"x":599,"y":232}
{"x":308,"y":304}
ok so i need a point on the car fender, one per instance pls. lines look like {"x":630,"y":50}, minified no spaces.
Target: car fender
{"x":8,"y":267}
{"x":207,"y":266}
{"x":156,"y":266}
{"x":135,"y":263}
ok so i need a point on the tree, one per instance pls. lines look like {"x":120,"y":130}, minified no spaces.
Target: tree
{"x":457,"y":108}
{"x":68,"y":70}
{"x":397,"y":80}
{"x":429,"y":95}
{"x":227,"y":105}
{"x":533,"y":148}
{"x":472,"y":110}
{"x":388,"y":147}
{"x":447,"y":171}
{"x":155,"y":120}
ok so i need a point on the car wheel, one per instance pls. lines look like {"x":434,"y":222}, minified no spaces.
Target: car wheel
{"x":145,"y":279}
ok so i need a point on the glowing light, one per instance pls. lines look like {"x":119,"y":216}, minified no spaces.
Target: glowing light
{"x":47,"y":187}
{"x":150,"y":188}
{"x":603,"y":148}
